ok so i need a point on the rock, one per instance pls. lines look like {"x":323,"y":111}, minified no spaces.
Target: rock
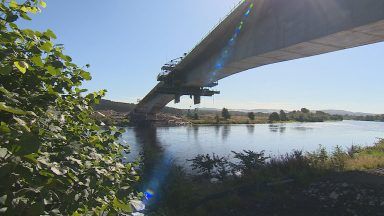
{"x":344,"y":184}
{"x":358,"y":197}
{"x":334,"y":195}
{"x":214,"y":180}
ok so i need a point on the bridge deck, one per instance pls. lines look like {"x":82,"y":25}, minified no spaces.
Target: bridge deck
{"x":262,"y":32}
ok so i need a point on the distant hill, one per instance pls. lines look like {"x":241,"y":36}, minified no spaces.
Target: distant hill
{"x":128,"y":107}
{"x":344,"y":112}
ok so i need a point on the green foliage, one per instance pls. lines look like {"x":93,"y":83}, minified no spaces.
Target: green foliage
{"x":338,"y":158}
{"x":249,"y":160}
{"x":209,"y":166}
{"x":304,"y":115}
{"x":274,"y":117}
{"x":196,"y":116}
{"x":54,"y":158}
{"x":304,"y":110}
{"x":217,"y":118}
{"x":283,"y":116}
{"x":378,"y":118}
{"x":225,"y":114}
{"x":251,"y":115}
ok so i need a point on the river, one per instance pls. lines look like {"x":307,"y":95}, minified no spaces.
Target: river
{"x":185,"y":142}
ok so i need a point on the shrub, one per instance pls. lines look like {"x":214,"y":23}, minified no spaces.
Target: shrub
{"x":249,"y":160}
{"x":208,"y":166}
{"x":54,"y":158}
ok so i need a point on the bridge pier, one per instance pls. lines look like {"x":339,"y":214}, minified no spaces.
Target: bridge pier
{"x":137,"y":118}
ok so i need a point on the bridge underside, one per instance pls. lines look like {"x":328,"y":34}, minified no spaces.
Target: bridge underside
{"x":262,"y":32}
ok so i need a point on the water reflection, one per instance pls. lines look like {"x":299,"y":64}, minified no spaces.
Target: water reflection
{"x":225,"y":132}
{"x":251,"y":129}
{"x":277,"y":128}
{"x":303,"y":128}
{"x":217,"y":129}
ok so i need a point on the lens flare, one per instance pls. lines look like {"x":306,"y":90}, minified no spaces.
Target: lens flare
{"x":158,"y":176}
{"x":226,"y":52}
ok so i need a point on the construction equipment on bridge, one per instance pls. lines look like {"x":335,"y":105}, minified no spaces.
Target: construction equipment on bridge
{"x":173,"y":87}
{"x":196,"y":92}
{"x":167,"y":69}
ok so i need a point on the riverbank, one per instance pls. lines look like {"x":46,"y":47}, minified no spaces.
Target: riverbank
{"x":121,"y":119}
{"x":317,"y":183}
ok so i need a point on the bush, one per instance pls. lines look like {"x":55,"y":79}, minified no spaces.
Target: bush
{"x":54,"y":158}
{"x":249,"y":160}
{"x":208,"y":166}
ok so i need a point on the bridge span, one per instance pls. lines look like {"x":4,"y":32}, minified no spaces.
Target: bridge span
{"x":262,"y":32}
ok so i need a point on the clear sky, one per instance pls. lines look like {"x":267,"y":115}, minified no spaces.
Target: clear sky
{"x":126,"y":42}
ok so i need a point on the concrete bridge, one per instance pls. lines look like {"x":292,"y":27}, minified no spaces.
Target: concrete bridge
{"x":262,"y":32}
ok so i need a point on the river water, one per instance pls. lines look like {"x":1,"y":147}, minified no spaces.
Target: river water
{"x":185,"y":142}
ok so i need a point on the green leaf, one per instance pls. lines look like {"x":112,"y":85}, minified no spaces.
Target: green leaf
{"x":21,"y":66}
{"x":6,"y":69}
{"x":86,"y":75}
{"x":43,"y":4}
{"x":32,"y":157}
{"x":25,"y":16}
{"x":28,"y":144}
{"x":37,"y":61}
{"x":29,"y":32}
{"x":4,"y":128}
{"x":53,"y":71}
{"x":47,"y":46}
{"x":13,"y":4}
{"x":49,"y":33}
{"x":46,"y":173}
{"x":120,"y":205}
{"x":9,"y":109}
{"x":22,"y":123}
{"x":11,"y":18}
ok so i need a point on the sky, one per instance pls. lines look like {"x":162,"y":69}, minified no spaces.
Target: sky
{"x":126,"y":42}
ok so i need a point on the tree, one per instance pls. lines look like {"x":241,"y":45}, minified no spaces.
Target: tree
{"x":283,"y":116}
{"x":189,"y":114}
{"x":274,"y":117}
{"x":196,"y":116}
{"x":225,"y":114}
{"x":217,"y":118}
{"x":305,"y":110}
{"x":55,"y":159}
{"x":251,"y":115}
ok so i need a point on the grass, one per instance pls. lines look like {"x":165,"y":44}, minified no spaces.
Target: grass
{"x":367,"y":158}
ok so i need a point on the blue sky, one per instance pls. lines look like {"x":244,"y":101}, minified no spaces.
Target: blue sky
{"x":126,"y":42}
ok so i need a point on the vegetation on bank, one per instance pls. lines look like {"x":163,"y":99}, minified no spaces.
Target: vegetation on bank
{"x":373,"y":118}
{"x":250,"y":182}
{"x":55,"y":159}
{"x":303,"y":115}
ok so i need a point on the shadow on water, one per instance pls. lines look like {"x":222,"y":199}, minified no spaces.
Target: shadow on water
{"x":155,"y":163}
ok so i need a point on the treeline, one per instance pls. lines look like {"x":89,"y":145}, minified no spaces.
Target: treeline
{"x":303,"y":115}
{"x":377,"y":118}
